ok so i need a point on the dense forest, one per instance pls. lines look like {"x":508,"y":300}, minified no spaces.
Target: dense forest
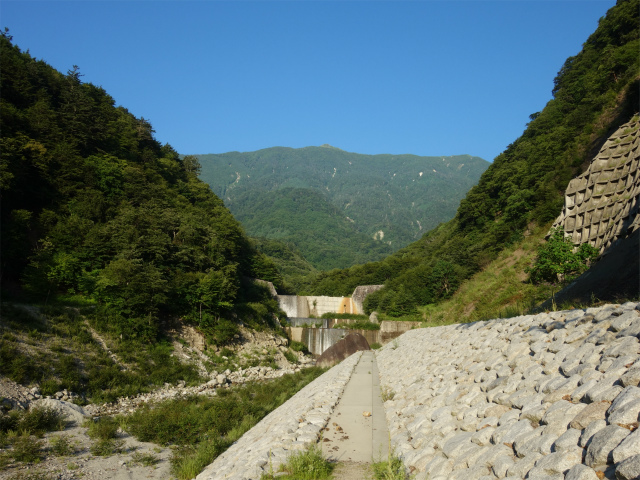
{"x":340,"y":208}
{"x":95,"y":208}
{"x":594,"y":93}
{"x":306,"y":219}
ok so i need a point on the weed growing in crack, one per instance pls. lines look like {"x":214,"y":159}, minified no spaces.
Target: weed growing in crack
{"x":308,"y":464}
{"x":390,"y":469}
{"x":387,"y":394}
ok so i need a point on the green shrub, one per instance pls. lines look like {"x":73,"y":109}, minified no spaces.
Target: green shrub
{"x":359,"y":325}
{"x":61,"y":446}
{"x":26,"y":448}
{"x":32,"y":422}
{"x":345,"y":316}
{"x":9,"y":421}
{"x":298,"y":347}
{"x":375,"y":346}
{"x":290,"y":356}
{"x":103,"y":428}
{"x":557,"y":262}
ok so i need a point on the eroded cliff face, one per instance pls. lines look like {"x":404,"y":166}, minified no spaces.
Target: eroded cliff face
{"x":601,"y":205}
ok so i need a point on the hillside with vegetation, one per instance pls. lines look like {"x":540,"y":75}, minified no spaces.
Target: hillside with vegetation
{"x":521,"y":192}
{"x":96,"y":210}
{"x":112,"y":249}
{"x":339,"y":208}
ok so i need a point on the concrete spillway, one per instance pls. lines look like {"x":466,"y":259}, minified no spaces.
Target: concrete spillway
{"x":320,"y":338}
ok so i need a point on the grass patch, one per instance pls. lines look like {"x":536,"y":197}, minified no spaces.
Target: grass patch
{"x":387,"y":394}
{"x":61,"y":446}
{"x":390,"y":469}
{"x":500,"y":290}
{"x":305,"y":465}
{"x":375,"y":346}
{"x":104,"y":432}
{"x":22,"y":430}
{"x":105,"y":447}
{"x":103,"y":428}
{"x":290,"y":356}
{"x":358,"y":325}
{"x":202,"y":427}
{"x":36,"y":421}
{"x":144,"y":459}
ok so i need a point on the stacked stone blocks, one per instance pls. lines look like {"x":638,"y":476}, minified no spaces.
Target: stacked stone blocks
{"x":551,"y":396}
{"x":601,"y":205}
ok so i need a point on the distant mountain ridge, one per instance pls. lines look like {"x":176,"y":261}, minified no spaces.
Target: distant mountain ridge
{"x":392,"y":199}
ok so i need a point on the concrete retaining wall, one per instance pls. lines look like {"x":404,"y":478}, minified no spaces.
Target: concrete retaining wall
{"x":305,"y":306}
{"x":318,"y":340}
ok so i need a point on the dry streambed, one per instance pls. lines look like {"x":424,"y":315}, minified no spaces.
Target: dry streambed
{"x":133,"y":459}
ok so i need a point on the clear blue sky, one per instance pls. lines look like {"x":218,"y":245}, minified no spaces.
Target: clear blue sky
{"x":422,"y":77}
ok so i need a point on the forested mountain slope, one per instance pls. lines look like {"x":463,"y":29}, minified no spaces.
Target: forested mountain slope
{"x":375,"y":204}
{"x":594,"y":92}
{"x":93,"y":205}
{"x":306,"y":219}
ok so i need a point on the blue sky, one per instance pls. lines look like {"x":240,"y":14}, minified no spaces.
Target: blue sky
{"x":440,"y":77}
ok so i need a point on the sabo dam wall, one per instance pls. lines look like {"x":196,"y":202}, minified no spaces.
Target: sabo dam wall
{"x":304,"y":306}
{"x":552,"y":396}
{"x":320,"y":339}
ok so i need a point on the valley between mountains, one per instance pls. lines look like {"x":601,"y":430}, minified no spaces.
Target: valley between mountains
{"x":137,"y":289}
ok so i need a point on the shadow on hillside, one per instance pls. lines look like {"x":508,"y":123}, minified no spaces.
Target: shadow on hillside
{"x":615,"y":277}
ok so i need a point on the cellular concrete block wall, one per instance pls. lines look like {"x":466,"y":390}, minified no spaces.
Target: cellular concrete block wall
{"x":601,"y":205}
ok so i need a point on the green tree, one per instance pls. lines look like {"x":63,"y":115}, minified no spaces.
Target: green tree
{"x":191,"y":165}
{"x":558,"y":262}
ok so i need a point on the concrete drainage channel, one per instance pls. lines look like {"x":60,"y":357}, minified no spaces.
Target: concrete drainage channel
{"x":343,"y":407}
{"x":357,"y":430}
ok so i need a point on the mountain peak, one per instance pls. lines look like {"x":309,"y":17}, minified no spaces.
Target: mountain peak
{"x":326,"y":145}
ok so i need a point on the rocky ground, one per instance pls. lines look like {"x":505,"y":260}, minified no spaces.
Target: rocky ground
{"x":138,"y":460}
{"x":554,"y":396}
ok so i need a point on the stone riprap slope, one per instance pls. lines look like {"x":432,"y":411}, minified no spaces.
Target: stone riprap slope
{"x":287,"y":429}
{"x":551,"y":396}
